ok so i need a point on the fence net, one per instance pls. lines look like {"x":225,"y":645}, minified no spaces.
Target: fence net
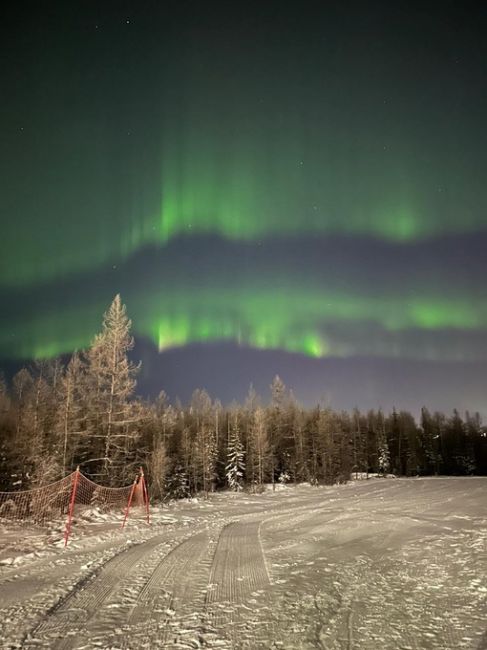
{"x":39,"y":505}
{"x":68,"y":496}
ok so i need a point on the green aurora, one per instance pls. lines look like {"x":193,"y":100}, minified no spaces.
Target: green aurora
{"x":240,"y":195}
{"x":294,"y":319}
{"x":280,"y":182}
{"x":251,"y":143}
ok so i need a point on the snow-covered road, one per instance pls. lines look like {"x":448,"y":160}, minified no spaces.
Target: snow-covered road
{"x":383,"y":563}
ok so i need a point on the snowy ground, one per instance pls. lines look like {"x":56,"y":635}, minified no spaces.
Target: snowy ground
{"x":383,"y":563}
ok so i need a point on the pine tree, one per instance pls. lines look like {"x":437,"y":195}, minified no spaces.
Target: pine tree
{"x":235,"y":458}
{"x":22,"y":385}
{"x":204,"y":454}
{"x":430,"y":441}
{"x":177,"y":486}
{"x":383,"y":455}
{"x":7,"y":435}
{"x":70,"y":413}
{"x":113,"y":418}
{"x":208,"y":456}
{"x":45,"y":463}
{"x":21,"y":445}
{"x":333,"y":453}
{"x":258,"y":447}
{"x":158,"y":470}
{"x":276,"y":422}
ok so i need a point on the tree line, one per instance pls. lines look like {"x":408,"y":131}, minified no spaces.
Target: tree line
{"x":55,"y":416}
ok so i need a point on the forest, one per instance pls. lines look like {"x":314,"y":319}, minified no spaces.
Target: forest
{"x":56,"y":415}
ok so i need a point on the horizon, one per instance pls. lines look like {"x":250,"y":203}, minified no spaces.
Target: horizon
{"x":168,"y":370}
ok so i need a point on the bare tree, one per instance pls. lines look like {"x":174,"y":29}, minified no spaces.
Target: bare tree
{"x":70,"y":416}
{"x":278,"y":392}
{"x":158,"y":470}
{"x":113,"y":416}
{"x":258,"y":447}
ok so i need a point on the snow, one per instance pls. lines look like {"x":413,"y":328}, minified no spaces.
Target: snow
{"x":376,"y":563}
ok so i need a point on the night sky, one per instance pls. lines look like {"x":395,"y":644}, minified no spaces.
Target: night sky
{"x":295,"y":190}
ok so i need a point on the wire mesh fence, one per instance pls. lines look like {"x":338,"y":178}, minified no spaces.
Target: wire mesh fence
{"x":68,"y":496}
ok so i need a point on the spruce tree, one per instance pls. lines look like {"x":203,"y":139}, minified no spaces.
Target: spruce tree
{"x":235,"y":458}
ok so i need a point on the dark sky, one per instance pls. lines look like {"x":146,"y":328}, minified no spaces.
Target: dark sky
{"x":288,"y":188}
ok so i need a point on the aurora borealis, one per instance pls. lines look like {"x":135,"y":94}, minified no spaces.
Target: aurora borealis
{"x":303,"y":181}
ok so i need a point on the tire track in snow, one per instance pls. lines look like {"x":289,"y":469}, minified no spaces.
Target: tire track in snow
{"x":169,"y":594}
{"x":483,"y":642}
{"x":172,"y":575}
{"x":238,"y":570}
{"x":71,"y":614}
